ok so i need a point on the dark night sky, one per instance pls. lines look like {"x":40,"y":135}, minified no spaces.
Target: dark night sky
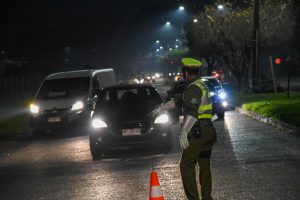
{"x":111,"y":30}
{"x":98,"y":32}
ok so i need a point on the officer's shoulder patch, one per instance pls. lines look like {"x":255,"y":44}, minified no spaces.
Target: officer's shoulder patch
{"x":194,"y":101}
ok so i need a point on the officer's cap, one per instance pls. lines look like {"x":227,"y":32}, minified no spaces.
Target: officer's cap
{"x":191,"y":63}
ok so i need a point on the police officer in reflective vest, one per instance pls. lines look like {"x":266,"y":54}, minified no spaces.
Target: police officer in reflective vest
{"x":198,"y":134}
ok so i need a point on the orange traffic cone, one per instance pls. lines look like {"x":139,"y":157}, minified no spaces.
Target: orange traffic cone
{"x":155,"y":190}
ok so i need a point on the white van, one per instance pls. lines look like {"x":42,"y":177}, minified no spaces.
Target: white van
{"x":65,"y":99}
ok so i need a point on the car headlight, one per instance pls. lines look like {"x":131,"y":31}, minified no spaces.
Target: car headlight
{"x":78,"y":106}
{"x":222,"y":95}
{"x":98,"y":123}
{"x":162,"y":119}
{"x":34,"y":109}
{"x":224,"y":103}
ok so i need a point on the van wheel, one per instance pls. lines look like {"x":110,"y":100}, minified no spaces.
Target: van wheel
{"x":36,"y":133}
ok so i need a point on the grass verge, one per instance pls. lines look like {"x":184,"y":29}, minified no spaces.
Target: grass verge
{"x":276,"y":106}
{"x":15,"y":124}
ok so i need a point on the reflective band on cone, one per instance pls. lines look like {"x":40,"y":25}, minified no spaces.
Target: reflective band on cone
{"x":155,"y":190}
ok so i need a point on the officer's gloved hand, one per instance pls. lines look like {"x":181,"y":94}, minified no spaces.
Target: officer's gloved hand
{"x":183,"y":140}
{"x":156,"y":112}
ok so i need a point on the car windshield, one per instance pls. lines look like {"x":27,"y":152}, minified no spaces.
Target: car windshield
{"x":212,"y":84}
{"x":140,"y":95}
{"x":64,"y":88}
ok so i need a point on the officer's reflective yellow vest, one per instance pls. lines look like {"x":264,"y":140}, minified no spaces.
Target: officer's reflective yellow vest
{"x":205,"y":108}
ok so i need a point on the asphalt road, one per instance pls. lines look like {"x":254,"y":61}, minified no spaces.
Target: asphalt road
{"x":251,"y":160}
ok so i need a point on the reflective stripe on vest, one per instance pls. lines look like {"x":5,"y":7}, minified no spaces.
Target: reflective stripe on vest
{"x":205,"y":108}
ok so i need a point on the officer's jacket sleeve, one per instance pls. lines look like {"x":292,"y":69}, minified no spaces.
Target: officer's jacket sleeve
{"x":192,"y":100}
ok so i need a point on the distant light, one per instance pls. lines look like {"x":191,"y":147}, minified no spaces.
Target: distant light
{"x":157,"y":75}
{"x":170,"y":74}
{"x":176,"y":46}
{"x":181,"y":8}
{"x":170,"y":49}
{"x":195,"y":20}
{"x":168,"y":23}
{"x":157,"y":50}
{"x":157,"y":41}
{"x":220,"y":7}
{"x":178,"y":74}
{"x":278,"y":61}
{"x":161,"y":47}
{"x":177,"y":40}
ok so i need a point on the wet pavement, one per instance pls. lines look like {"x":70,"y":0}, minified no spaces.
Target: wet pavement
{"x":251,"y":160}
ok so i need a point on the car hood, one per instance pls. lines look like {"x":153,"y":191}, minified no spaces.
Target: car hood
{"x":58,"y":103}
{"x":123,"y":112}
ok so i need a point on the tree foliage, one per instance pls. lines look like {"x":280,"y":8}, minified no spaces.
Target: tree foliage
{"x":227,"y":35}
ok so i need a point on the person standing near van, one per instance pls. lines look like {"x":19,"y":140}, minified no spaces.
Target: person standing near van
{"x":197,"y":135}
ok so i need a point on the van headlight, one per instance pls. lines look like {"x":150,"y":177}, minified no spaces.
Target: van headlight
{"x":162,"y":119}
{"x":98,"y":123}
{"x":34,"y":109}
{"x":77,"y":106}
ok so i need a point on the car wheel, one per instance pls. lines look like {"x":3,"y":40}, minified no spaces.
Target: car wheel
{"x":96,"y":151}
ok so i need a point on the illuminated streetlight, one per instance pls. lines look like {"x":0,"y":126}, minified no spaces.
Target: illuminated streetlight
{"x":176,"y":46}
{"x":157,"y":41}
{"x":161,"y":47}
{"x":181,"y":8}
{"x":220,"y":7}
{"x":195,"y":20}
{"x":168,"y":23}
{"x":157,"y":50}
{"x":170,"y":49}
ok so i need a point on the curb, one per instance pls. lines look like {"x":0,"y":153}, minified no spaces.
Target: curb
{"x":270,"y":121}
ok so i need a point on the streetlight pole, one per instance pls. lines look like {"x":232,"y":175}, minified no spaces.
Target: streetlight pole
{"x":256,"y":46}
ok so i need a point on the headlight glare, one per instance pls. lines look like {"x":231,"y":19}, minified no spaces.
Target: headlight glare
{"x":34,"y":109}
{"x":98,"y":123}
{"x":162,"y":119}
{"x":78,"y":106}
{"x":222,"y":95}
{"x":225,"y":104}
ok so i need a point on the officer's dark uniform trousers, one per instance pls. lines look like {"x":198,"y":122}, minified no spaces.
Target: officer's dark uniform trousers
{"x":201,"y":140}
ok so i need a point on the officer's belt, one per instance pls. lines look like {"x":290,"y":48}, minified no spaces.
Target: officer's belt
{"x":205,"y":122}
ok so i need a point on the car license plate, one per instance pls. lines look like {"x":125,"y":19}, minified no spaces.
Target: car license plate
{"x":54,"y":119}
{"x":131,"y":132}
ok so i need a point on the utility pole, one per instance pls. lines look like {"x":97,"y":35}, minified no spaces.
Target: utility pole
{"x":256,"y":47}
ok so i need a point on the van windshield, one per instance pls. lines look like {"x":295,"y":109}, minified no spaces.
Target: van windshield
{"x":64,"y":88}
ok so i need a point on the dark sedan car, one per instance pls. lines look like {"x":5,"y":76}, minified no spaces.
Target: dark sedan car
{"x":121,"y":119}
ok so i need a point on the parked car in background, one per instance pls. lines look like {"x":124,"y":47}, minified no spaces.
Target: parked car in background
{"x":121,"y":119}
{"x":218,"y":94}
{"x":64,"y":99}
